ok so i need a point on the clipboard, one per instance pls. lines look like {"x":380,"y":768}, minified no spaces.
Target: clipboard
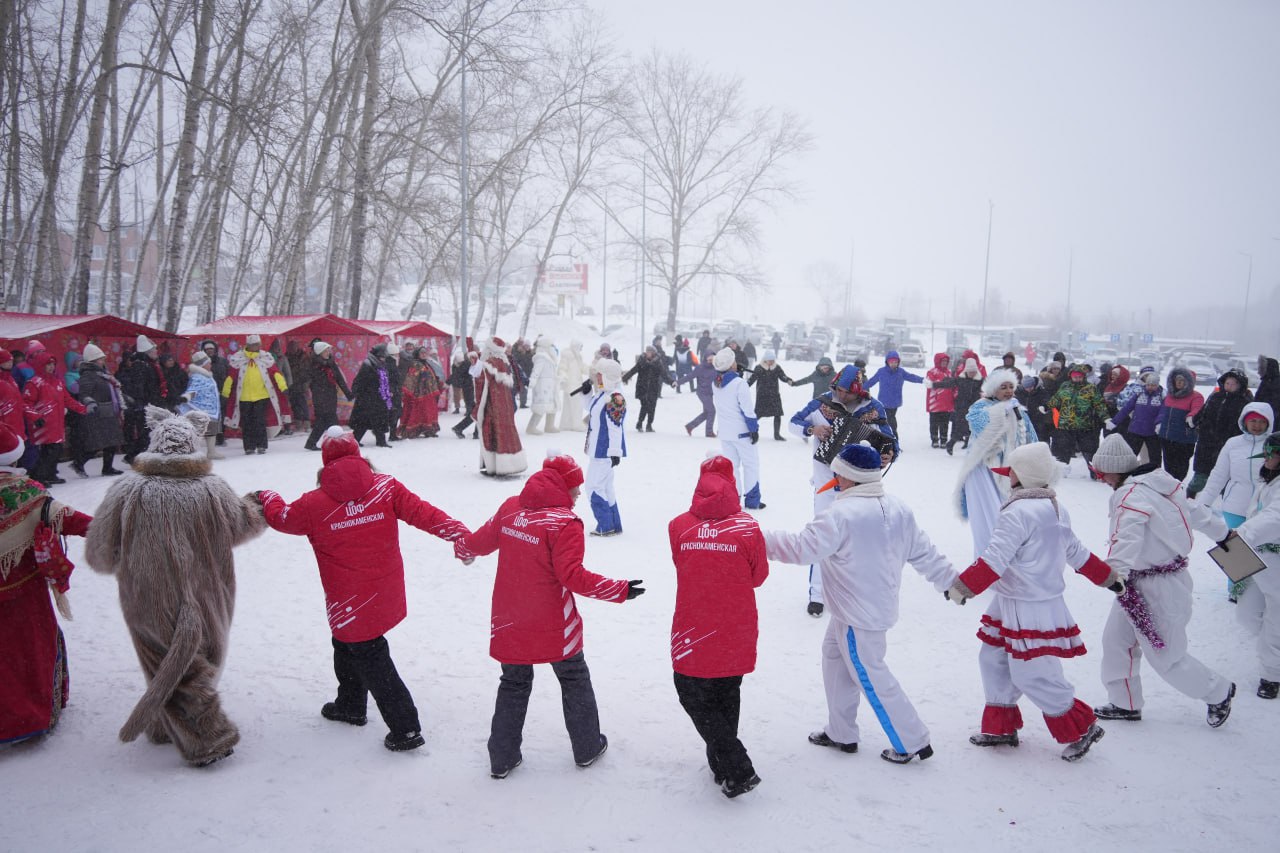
{"x":1236,"y":559}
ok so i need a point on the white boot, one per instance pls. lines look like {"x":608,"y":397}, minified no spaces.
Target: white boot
{"x":211,"y":445}
{"x":532,"y":429}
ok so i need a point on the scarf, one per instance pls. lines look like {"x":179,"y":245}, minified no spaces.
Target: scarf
{"x":1023,"y":493}
{"x":863,"y":490}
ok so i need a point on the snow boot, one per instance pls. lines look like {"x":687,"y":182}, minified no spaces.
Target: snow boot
{"x":403,"y":742}
{"x":984,"y":739}
{"x":458,"y":431}
{"x":79,"y":469}
{"x":903,"y":757}
{"x":212,"y":759}
{"x":604,"y":744}
{"x":1076,"y":750}
{"x":736,"y":789}
{"x":502,"y":774}
{"x":814,"y":608}
{"x":821,"y":739}
{"x":1115,"y":712}
{"x":1268,"y":689}
{"x":1219,"y":712}
{"x":211,"y":442}
{"x":331,"y":711}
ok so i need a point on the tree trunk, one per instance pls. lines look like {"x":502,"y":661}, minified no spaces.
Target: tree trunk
{"x":362,"y":184}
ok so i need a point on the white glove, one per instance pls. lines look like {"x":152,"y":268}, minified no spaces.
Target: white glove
{"x":1011,"y":403}
{"x":1191,"y":421}
{"x":958,"y":593}
{"x":1041,"y":410}
{"x":928,"y":383}
{"x":1110,"y":424}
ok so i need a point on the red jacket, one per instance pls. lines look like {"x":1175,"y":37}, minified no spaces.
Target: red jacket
{"x":352,"y":523}
{"x":720,"y":559}
{"x":12,"y":408}
{"x":540,"y":546}
{"x":47,"y":400}
{"x":939,"y":399}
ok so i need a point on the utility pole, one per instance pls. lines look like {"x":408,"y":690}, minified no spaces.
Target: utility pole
{"x":986,"y":272}
{"x":464,"y":285}
{"x":1248,"y":282}
{"x":1071,"y":260}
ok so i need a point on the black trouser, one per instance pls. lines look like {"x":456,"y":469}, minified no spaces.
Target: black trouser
{"x":222,"y":434}
{"x":708,"y":415}
{"x":1151,"y":442}
{"x":358,"y":429}
{"x":366,"y":667}
{"x":1177,"y":457}
{"x":777,"y":426}
{"x":136,"y":434}
{"x":713,"y":705}
{"x":298,"y":402}
{"x":253,"y":424}
{"x":577,"y":698}
{"x":647,"y":408}
{"x":938,"y":422}
{"x":891,"y":415}
{"x":108,"y":457}
{"x":1067,"y":441}
{"x":393,"y":421}
{"x":321,"y":422}
{"x":46,"y":464}
{"x":959,"y":429}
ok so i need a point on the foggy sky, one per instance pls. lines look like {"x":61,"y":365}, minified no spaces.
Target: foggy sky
{"x":1143,"y":135}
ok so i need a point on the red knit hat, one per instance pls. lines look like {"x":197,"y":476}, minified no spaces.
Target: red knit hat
{"x":11,"y":445}
{"x":721,"y":465}
{"x":337,"y":443}
{"x":566,"y":467}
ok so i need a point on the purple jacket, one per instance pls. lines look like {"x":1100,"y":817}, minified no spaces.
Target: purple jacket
{"x":1144,"y":409}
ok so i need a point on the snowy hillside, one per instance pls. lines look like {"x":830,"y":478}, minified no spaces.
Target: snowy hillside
{"x":299,"y":782}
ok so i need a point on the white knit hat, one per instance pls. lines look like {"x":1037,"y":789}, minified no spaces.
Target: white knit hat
{"x":92,"y":352}
{"x":610,"y":371}
{"x":769,"y":355}
{"x":144,"y":344}
{"x":1114,"y":456}
{"x":1034,"y":464}
{"x":996,"y":378}
{"x":319,"y":347}
{"x":393,"y":348}
{"x":724,"y":360}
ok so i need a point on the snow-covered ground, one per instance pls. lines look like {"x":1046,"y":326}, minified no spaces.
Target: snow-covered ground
{"x":299,"y":782}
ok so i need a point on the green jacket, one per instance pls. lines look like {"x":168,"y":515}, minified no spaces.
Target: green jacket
{"x":1079,"y":406}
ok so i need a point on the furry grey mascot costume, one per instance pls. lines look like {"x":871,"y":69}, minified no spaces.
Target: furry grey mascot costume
{"x":166,"y":533}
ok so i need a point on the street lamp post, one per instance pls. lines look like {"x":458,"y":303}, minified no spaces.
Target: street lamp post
{"x":986,"y":272}
{"x":1248,"y":282}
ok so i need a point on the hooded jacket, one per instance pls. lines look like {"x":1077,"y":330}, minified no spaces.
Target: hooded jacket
{"x":720,"y":559}
{"x":352,"y":522}
{"x":1235,"y":474}
{"x":1219,"y":420}
{"x":1151,"y":522}
{"x":1269,"y":383}
{"x":540,"y":545}
{"x":939,"y":399}
{"x":890,"y":380}
{"x":820,"y":381}
{"x":1177,"y":406}
{"x":1080,"y":405}
{"x":47,"y":401}
{"x":1141,"y":412}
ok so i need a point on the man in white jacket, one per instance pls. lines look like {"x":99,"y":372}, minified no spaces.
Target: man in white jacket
{"x":739,"y":428}
{"x":1260,"y":603}
{"x":861,"y":542}
{"x":1151,"y":524}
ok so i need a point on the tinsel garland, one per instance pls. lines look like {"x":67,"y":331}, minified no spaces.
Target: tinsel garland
{"x":384,"y":388}
{"x":1135,"y":605}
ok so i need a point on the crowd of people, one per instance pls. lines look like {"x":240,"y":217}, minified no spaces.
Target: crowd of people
{"x":1019,"y":435}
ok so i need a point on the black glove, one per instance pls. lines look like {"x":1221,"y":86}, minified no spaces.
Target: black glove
{"x":1223,"y":544}
{"x":91,"y":407}
{"x":584,"y":388}
{"x":755,"y":436}
{"x":614,"y":460}
{"x":634,"y":589}
{"x":39,"y":422}
{"x":1117,"y":587}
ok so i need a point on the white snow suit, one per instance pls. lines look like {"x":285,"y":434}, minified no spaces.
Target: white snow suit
{"x":1259,"y":607}
{"x":737,"y":415}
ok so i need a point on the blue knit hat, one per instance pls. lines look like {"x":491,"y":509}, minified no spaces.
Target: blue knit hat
{"x":857,"y":462}
{"x":846,"y":378}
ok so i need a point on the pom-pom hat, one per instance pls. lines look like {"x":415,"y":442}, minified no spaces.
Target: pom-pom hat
{"x":337,"y":443}
{"x":11,"y":445}
{"x":857,"y":462}
{"x":1114,"y":456}
{"x":93,"y":352}
{"x":724,"y":360}
{"x":144,"y":344}
{"x":566,"y":467}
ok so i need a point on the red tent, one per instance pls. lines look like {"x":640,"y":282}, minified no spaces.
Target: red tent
{"x":63,"y":333}
{"x":350,"y":342}
{"x":415,"y":332}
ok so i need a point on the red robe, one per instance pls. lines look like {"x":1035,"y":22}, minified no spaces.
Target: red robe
{"x":421,"y":401}
{"x":33,"y":671}
{"x":501,"y":453}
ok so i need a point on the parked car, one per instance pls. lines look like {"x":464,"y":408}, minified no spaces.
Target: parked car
{"x":1204,"y":370}
{"x":810,"y":349}
{"x":586,"y":311}
{"x":911,"y":355}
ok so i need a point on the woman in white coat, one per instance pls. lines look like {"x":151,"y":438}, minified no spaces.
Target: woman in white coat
{"x":1259,"y":608}
{"x":1235,"y":474}
{"x":572,"y":372}
{"x":544,"y":387}
{"x":998,"y":425}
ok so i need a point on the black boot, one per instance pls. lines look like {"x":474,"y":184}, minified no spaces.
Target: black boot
{"x":1268,"y":689}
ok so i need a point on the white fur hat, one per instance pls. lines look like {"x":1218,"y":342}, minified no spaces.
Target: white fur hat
{"x":610,"y":371}
{"x":996,"y":378}
{"x":93,"y":352}
{"x":320,"y":346}
{"x":144,"y":344}
{"x":393,"y":348}
{"x":544,"y":344}
{"x":200,"y":358}
{"x":253,"y":339}
{"x":971,"y":366}
{"x":724,"y":360}
{"x":1115,"y":456}
{"x":1034,"y":464}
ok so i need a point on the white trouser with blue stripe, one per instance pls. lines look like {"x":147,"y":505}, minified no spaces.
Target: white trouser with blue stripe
{"x":853,"y":665}
{"x":821,"y":474}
